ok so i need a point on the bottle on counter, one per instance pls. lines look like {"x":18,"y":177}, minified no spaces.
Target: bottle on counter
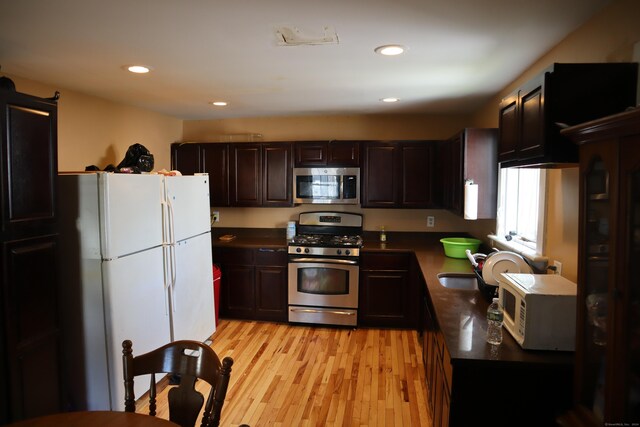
{"x":383,"y":234}
{"x":494,"y":322}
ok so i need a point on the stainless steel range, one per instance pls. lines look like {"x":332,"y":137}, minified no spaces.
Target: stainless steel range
{"x":324,"y":260}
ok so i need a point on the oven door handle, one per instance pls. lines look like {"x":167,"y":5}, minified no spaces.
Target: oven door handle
{"x":311,"y":310}
{"x":325,"y":261}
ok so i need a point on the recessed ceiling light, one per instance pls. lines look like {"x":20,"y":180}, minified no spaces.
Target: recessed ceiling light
{"x":219,"y":103}
{"x":390,"y":49}
{"x":139,"y":69}
{"x":390,"y":99}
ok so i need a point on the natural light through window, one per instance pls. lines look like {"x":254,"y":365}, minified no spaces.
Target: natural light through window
{"x":521,"y":207}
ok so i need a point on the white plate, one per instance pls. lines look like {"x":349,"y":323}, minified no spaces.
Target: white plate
{"x":503,"y":262}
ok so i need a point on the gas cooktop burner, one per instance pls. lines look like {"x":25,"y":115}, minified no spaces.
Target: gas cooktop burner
{"x":327,"y":241}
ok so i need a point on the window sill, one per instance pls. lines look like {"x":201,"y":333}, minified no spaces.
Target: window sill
{"x":539,"y":262}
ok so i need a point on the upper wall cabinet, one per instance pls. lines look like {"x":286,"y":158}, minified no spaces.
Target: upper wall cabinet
{"x":531,"y":117}
{"x":470,"y":154}
{"x":212,"y":158}
{"x":260,"y":174}
{"x":397,"y":174}
{"x":331,"y":153}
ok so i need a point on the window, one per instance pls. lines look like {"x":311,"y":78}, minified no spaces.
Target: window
{"x":521,"y":208}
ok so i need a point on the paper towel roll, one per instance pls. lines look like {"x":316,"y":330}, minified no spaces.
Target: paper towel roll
{"x":470,"y":201}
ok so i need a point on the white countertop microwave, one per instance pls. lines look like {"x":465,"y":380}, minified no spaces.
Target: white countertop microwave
{"x":539,"y":310}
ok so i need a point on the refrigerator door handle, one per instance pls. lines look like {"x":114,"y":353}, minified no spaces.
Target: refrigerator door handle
{"x":172,"y":250}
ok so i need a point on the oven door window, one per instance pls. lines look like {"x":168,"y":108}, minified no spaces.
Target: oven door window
{"x":318,"y":187}
{"x":323,"y":281}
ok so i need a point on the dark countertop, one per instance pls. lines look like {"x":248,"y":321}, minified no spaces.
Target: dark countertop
{"x":460,"y":314}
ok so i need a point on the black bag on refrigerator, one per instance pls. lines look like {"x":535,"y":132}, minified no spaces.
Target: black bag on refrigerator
{"x":137,"y":158}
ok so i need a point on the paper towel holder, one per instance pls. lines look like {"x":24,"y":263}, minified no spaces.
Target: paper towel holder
{"x":470,"y":207}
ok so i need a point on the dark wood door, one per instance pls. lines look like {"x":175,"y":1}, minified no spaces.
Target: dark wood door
{"x":416,"y":168}
{"x":271,"y":293}
{"x":380,"y":175}
{"x":276,"y":174}
{"x":238,"y":292}
{"x":532,"y":120}
{"x":185,"y":157}
{"x":344,"y":153}
{"x":215,"y":162}
{"x":245,"y":187}
{"x":29,"y":163}
{"x":30,"y":335}
{"x":509,"y":135}
{"x":388,"y":295}
{"x":310,"y":153}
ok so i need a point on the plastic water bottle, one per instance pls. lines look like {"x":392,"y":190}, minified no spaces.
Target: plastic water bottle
{"x":494,"y":322}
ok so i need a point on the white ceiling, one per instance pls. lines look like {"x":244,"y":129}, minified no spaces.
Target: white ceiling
{"x":460,"y":51}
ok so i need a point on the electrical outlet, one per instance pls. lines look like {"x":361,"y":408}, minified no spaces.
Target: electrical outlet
{"x":558,"y":266}
{"x":431,"y":221}
{"x":215,"y":216}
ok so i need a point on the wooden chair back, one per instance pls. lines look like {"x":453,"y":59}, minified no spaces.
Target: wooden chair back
{"x":190,"y":360}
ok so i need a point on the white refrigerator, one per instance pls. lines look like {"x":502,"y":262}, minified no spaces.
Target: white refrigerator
{"x":135,"y":264}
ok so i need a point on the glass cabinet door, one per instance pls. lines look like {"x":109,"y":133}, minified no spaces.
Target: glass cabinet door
{"x":630,"y":285}
{"x":597,"y":246}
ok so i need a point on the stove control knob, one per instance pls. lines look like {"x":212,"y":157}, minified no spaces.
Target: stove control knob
{"x":347,"y":252}
{"x":306,"y":250}
{"x":339,"y":251}
{"x":298,"y":250}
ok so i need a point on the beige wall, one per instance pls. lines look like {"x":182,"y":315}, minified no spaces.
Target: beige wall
{"x":94,"y":131}
{"x":301,"y":128}
{"x":610,"y":36}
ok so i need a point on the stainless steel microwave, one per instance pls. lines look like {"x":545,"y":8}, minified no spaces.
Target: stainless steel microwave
{"x":326,"y":185}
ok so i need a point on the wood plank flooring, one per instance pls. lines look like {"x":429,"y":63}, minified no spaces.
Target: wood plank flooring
{"x":286,"y":375}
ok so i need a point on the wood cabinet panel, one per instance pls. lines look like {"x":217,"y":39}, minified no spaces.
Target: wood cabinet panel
{"x":186,"y":158}
{"x":327,"y":153}
{"x":238,"y":291}
{"x":206,"y":157}
{"x":271,"y":294}
{"x":344,"y":153}
{"x":254,"y":283}
{"x":276,"y":178}
{"x":311,"y":153}
{"x":245,"y":177}
{"x":564,"y":94}
{"x":32,"y":382}
{"x":417,"y":168}
{"x":470,"y":154}
{"x":607,"y":375}
{"x":215,"y":162}
{"x":398,"y":174}
{"x":388,"y":295}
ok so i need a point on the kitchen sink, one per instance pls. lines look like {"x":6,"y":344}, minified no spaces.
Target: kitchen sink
{"x":458,"y":281}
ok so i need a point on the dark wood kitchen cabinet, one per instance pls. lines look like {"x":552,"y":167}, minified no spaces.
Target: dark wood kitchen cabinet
{"x":253,"y":283}
{"x":607,"y":368}
{"x":30,"y":341}
{"x":388,"y":295}
{"x":207,"y":157}
{"x":470,"y":154}
{"x":327,"y":153}
{"x":398,"y":174}
{"x":260,"y":174}
{"x":530,"y":118}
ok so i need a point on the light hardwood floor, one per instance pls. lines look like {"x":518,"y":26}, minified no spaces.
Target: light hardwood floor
{"x":286,"y":375}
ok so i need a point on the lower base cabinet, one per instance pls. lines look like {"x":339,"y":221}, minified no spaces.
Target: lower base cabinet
{"x":253,"y":283}
{"x":464,"y":393}
{"x":388,"y":294}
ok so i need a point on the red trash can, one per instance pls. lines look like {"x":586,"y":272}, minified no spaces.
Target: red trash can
{"x":217,"y":274}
